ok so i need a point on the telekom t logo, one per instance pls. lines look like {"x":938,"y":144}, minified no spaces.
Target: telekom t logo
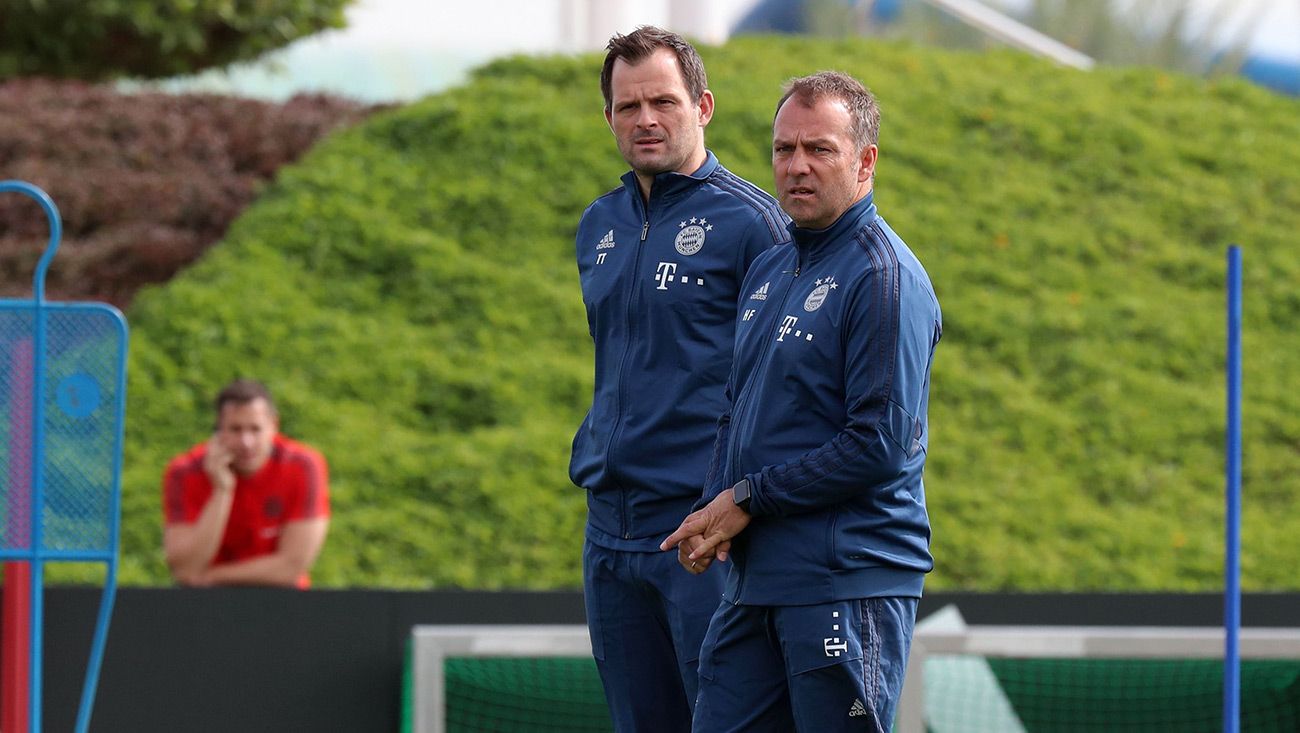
{"x":834,"y":645}
{"x":787,"y":326}
{"x":664,"y":274}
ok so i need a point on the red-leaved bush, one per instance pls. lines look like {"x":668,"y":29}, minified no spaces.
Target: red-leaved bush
{"x":144,"y":182}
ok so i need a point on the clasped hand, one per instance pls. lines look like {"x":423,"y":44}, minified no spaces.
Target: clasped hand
{"x":705,"y":535}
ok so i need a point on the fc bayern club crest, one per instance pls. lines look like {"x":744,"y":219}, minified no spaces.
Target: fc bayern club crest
{"x":691,"y":237}
{"x":819,"y":293}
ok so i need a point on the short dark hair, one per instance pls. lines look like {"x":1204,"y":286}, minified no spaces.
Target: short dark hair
{"x":241,"y":392}
{"x":639,"y":45}
{"x":864,"y":111}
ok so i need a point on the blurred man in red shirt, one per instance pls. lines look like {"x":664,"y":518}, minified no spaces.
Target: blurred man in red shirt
{"x":248,"y":506}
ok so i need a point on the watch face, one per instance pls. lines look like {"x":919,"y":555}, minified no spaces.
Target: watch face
{"x":740,"y":493}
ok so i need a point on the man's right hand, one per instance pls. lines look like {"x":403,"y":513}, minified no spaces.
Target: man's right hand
{"x":217,"y":465}
{"x":709,"y":530}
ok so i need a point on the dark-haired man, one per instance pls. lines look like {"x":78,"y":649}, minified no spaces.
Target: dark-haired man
{"x":249,"y":506}
{"x":661,"y":259}
{"x":819,"y":500}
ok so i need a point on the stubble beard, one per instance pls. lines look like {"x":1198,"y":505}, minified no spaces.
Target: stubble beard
{"x":674,"y":155}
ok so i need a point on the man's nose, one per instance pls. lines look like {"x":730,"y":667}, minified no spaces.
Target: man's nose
{"x":645,"y":117}
{"x":797,"y":163}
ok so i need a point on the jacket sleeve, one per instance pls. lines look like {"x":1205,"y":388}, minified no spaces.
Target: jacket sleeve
{"x":887,"y":346}
{"x":579,"y":237}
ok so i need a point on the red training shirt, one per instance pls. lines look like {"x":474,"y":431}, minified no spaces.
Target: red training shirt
{"x":291,"y":486}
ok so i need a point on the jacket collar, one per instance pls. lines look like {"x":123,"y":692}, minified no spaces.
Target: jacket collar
{"x":673,"y":184}
{"x":812,"y":241}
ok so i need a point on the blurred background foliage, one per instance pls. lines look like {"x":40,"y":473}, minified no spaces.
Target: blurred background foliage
{"x":95,"y":40}
{"x":145,"y":183}
{"x":1168,"y":34}
{"x":408,"y":290}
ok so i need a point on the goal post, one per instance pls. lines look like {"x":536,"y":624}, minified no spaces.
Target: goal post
{"x":972,"y":678}
{"x":432,"y":646}
{"x":936,"y":654}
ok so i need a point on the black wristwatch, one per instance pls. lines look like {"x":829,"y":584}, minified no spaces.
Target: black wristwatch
{"x":740,"y":494}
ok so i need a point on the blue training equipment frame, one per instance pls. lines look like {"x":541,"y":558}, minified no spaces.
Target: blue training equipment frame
{"x":1232,"y":519}
{"x":36,"y":553}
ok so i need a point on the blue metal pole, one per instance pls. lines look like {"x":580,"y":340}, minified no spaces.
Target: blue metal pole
{"x":38,"y":440}
{"x":114,"y":528}
{"x":97,"y":649}
{"x":38,"y":616}
{"x":1232,"y":549}
{"x":38,"y":513}
{"x":38,"y":452}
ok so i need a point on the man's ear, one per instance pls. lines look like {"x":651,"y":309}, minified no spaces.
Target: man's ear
{"x":867,"y":163}
{"x":706,"y":107}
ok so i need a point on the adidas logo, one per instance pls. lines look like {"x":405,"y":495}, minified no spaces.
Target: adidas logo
{"x":761,"y":293}
{"x":858,"y":708}
{"x":607,"y":241}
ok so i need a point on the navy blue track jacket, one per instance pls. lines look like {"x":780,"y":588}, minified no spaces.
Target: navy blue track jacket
{"x":830,"y":387}
{"x":660,"y":283}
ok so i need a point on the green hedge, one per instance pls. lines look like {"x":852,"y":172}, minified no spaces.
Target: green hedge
{"x":409,"y":292}
{"x":97,"y":40}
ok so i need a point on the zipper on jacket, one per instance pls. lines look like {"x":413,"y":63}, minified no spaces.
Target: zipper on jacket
{"x":742,"y":399}
{"x":765,"y":356}
{"x":627,"y":346}
{"x":645,"y":230}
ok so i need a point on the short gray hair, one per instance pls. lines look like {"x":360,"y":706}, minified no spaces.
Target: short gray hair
{"x":864,"y":111}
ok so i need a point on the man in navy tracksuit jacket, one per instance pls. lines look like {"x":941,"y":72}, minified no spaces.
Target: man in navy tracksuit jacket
{"x":815,"y":493}
{"x":661,"y":260}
